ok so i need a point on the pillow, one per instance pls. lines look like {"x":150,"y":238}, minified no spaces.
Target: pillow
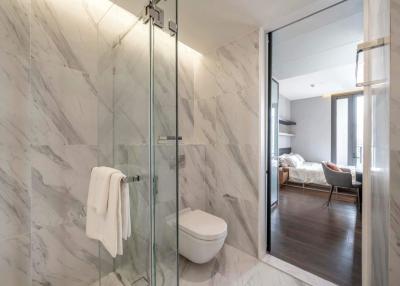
{"x":333,"y":167}
{"x":299,"y":158}
{"x":283,"y":162}
{"x":292,"y":160}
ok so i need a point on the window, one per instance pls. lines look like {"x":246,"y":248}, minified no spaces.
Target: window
{"x":347,"y":130}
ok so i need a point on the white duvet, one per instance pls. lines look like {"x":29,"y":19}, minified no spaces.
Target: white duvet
{"x":311,"y":173}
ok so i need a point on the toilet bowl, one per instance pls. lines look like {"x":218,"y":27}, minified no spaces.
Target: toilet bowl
{"x":201,"y":235}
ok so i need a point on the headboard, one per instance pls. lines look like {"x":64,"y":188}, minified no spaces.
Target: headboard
{"x":287,"y":150}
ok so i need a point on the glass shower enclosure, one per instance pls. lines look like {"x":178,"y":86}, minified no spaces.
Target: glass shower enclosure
{"x":137,"y":46}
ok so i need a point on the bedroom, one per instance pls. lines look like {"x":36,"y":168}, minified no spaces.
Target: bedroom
{"x":316,"y":144}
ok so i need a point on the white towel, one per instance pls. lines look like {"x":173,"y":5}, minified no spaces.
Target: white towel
{"x":114,"y":224}
{"x":126,"y":212}
{"x":99,"y":187}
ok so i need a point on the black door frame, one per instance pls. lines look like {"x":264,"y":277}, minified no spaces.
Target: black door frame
{"x":268,"y":136}
{"x":267,"y":112}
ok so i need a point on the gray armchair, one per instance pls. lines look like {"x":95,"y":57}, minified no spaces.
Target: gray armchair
{"x":340,"y":179}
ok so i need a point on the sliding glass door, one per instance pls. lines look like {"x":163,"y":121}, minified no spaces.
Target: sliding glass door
{"x":347,"y":130}
{"x":273,"y":137}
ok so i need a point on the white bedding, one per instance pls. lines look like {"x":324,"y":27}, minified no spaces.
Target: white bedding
{"x":311,"y":173}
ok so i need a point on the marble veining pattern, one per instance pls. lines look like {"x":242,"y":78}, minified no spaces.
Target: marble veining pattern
{"x":67,"y":65}
{"x":394,"y":231}
{"x":234,"y":268}
{"x":225,"y":125}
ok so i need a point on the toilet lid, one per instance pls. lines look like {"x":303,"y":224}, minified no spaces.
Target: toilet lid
{"x":202,"y":225}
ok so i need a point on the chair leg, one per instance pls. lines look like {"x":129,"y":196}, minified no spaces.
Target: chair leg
{"x":330,"y":196}
{"x":358,"y":200}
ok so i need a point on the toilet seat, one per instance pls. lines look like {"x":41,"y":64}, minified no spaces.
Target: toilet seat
{"x":202,"y":225}
{"x":201,"y":235}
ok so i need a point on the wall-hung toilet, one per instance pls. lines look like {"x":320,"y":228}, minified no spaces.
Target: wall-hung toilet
{"x":201,"y":235}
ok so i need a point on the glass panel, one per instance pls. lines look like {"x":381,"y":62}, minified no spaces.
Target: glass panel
{"x":137,"y":74}
{"x":274,"y":121}
{"x":359,"y":131}
{"x":124,"y":73}
{"x":164,"y":142}
{"x":342,"y":119}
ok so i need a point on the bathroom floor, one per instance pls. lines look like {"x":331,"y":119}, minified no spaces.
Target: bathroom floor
{"x":233,"y":267}
{"x":324,"y":241}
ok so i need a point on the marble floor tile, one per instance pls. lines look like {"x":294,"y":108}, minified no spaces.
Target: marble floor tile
{"x":297,"y":272}
{"x":110,"y":279}
{"x":233,"y":267}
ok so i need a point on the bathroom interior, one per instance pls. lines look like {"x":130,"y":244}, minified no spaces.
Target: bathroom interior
{"x":171,"y":94}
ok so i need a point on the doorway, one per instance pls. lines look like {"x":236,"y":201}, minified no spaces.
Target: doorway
{"x":311,"y":63}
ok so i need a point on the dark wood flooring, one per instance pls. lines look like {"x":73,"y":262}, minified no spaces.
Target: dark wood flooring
{"x":324,"y":241}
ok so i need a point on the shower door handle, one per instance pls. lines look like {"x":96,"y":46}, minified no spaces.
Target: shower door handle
{"x":368,"y":46}
{"x":164,"y":139}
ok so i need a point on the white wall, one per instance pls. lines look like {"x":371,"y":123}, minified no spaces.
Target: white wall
{"x":313,"y":128}
{"x":285,"y":113}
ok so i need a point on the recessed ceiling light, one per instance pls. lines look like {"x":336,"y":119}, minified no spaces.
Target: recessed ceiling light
{"x":312,"y":85}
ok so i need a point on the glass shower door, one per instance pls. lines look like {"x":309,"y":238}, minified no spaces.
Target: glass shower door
{"x":274,"y":150}
{"x":164,"y":144}
{"x":137,"y":76}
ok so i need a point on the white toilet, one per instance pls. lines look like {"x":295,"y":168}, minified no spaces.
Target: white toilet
{"x":201,"y":235}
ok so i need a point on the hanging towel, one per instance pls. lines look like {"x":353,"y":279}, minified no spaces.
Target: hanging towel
{"x":126,"y":212}
{"x":109,"y":227}
{"x":99,"y":187}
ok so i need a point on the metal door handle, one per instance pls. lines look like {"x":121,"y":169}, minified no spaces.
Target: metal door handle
{"x":367,"y":46}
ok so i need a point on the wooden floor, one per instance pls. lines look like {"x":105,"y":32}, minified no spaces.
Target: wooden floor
{"x":321,"y":240}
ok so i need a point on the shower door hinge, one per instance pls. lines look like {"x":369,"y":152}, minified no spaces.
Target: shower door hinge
{"x":155,"y":186}
{"x":173,"y":27}
{"x":155,"y":13}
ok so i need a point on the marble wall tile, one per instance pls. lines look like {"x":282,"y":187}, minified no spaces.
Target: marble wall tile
{"x":15,"y":99}
{"x":63,"y":255}
{"x":64,"y":33}
{"x":206,"y":72}
{"x":15,"y":260}
{"x":192,"y":172}
{"x":186,"y":120}
{"x":65,"y":106}
{"x":187,"y":62}
{"x":241,"y":217}
{"x":226,"y":124}
{"x":205,"y":121}
{"x":15,"y":201}
{"x":394,"y":232}
{"x":14,"y":27}
{"x":237,"y":118}
{"x":234,"y":168}
{"x":237,"y":65}
{"x":60,"y":180}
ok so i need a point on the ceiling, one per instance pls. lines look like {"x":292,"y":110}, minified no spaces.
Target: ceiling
{"x":207,"y":24}
{"x":317,"y":56}
{"x":318,"y":51}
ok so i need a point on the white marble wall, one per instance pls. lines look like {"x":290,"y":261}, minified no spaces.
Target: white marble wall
{"x":48,"y":140}
{"x":15,"y":200}
{"x":219,"y":125}
{"x":394,"y":233}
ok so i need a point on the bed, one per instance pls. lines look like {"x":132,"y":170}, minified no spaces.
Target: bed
{"x":307,"y":172}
